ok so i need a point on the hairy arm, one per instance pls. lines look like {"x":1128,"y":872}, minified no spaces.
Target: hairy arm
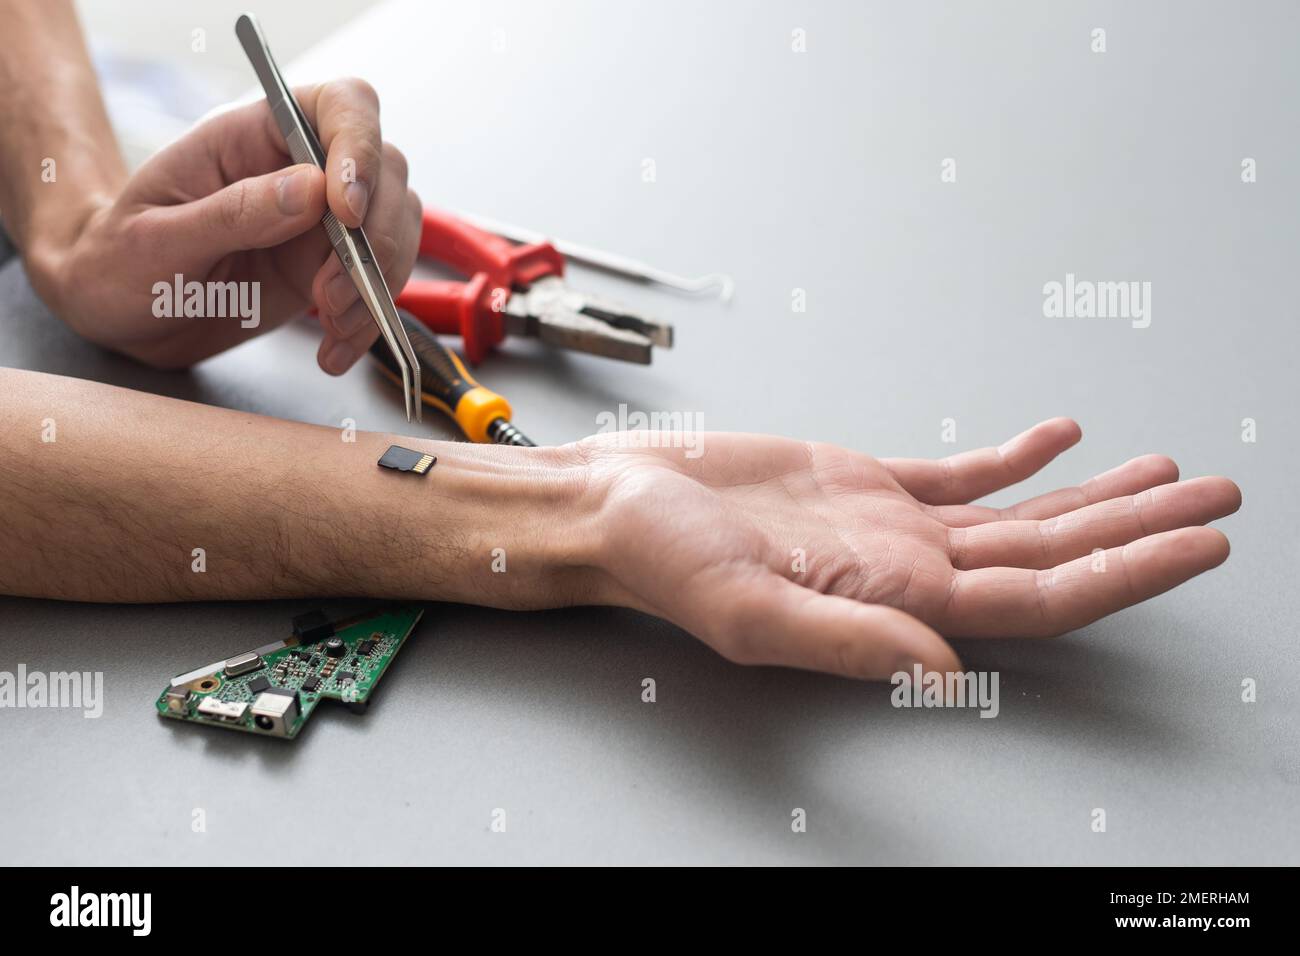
{"x":49,"y":98}
{"x":772,"y":551}
{"x":113,"y":508}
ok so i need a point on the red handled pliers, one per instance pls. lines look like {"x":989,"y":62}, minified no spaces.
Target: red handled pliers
{"x":519,"y":290}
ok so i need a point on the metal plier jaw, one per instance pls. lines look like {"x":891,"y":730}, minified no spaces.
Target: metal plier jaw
{"x":552,"y":312}
{"x":519,"y":290}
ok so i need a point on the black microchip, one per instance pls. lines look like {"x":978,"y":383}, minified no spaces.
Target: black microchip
{"x":312,"y":627}
{"x":404,"y":459}
{"x":258,"y":684}
{"x":346,"y":675}
{"x":324,"y":622}
{"x":365,"y":647}
{"x":314,"y":661}
{"x":311,"y":683}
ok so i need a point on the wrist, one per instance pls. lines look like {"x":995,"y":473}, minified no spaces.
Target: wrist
{"x":518,"y":528}
{"x":48,"y":242}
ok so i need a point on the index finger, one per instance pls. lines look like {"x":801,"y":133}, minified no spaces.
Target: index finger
{"x":345,"y":114}
{"x":961,"y":478}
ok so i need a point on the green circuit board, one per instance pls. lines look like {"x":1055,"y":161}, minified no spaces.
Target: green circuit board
{"x":272,"y":691}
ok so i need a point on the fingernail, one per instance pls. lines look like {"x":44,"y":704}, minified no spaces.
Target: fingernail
{"x":292,"y":192}
{"x":340,"y":292}
{"x":338,"y":358}
{"x":352,"y":321}
{"x":357,"y":196}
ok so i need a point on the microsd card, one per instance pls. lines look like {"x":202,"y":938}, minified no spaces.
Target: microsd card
{"x":405,"y":459}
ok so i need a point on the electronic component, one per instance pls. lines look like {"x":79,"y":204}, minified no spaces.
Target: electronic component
{"x":221,"y":709}
{"x":323,"y":622}
{"x":243,"y":664}
{"x":334,"y":647}
{"x":278,"y":701}
{"x":405,"y":459}
{"x":312,"y":627}
{"x":365,"y":647}
{"x":275,"y":711}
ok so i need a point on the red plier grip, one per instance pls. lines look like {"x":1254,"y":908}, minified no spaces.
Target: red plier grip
{"x":469,"y":250}
{"x":470,"y":309}
{"x":473,"y":309}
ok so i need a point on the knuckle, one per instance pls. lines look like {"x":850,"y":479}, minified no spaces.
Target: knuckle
{"x":1047,"y":536}
{"x":846,"y":657}
{"x":385,"y":248}
{"x":415,"y":209}
{"x":736,"y":637}
{"x":407,"y":253}
{"x":145,"y":233}
{"x":324,"y":274}
{"x":1141,"y":505}
{"x":1043,"y":583}
{"x":365,"y":155}
{"x":948,"y":476}
{"x":737,"y":647}
{"x":233,"y":209}
{"x":358,"y":88}
{"x":395,"y":161}
{"x":957,"y":547}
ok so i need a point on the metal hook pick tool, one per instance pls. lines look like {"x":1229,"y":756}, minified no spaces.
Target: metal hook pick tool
{"x":351,"y":245}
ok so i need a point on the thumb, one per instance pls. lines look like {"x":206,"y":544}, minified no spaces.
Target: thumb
{"x":253,"y":213}
{"x":789,"y":625}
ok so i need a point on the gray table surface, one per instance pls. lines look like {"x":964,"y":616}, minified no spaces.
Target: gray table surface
{"x":818,"y":171}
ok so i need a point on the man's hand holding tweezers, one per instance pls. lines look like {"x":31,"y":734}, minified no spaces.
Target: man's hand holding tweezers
{"x":221,"y":204}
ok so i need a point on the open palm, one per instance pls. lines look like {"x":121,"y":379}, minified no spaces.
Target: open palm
{"x":776,"y":551}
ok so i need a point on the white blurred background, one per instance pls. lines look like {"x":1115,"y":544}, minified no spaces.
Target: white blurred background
{"x":157,"y":81}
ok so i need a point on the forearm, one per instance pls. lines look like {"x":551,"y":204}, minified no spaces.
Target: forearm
{"x":58,"y":157}
{"x":143,"y":498}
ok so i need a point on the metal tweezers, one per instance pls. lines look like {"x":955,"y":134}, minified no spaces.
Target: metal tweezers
{"x":351,"y":245}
